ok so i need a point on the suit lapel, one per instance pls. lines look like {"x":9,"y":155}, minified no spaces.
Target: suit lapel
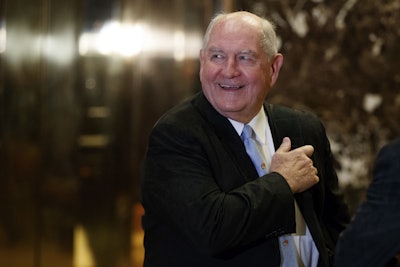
{"x":287,"y":126}
{"x":283,"y":125}
{"x":228,"y":136}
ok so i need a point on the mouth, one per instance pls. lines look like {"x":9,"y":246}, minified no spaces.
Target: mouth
{"x":230,"y":87}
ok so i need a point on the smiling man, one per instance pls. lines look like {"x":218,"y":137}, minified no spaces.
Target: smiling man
{"x":237,"y":73}
{"x":231,"y":180}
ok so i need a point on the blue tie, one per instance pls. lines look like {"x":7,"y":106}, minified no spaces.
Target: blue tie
{"x":286,"y":242}
{"x":253,"y":150}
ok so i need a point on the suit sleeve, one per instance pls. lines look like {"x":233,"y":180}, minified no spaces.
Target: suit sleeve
{"x":182,"y":188}
{"x":372,"y":238}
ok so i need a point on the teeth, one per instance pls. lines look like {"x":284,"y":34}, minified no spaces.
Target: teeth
{"x":230,"y":86}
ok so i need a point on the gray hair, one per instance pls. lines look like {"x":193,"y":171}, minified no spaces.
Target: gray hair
{"x":268,"y":40}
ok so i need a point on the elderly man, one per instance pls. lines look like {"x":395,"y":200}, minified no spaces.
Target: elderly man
{"x":231,"y":180}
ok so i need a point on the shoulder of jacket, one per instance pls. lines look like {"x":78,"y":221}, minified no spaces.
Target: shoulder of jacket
{"x":281,"y":111}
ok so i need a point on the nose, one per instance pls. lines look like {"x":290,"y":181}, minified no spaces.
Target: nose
{"x":231,"y":69}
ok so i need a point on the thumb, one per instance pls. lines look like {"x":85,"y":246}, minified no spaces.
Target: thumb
{"x":308,"y":149}
{"x":285,"y":146}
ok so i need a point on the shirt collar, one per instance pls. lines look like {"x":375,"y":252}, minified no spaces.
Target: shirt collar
{"x":258,"y":123}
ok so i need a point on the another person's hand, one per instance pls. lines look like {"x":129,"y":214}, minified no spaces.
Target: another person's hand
{"x":295,"y":166}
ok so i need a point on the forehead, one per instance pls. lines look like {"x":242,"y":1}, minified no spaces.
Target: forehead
{"x":241,"y":33}
{"x":236,"y":23}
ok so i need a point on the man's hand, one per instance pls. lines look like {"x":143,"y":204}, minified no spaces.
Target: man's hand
{"x":295,"y":166}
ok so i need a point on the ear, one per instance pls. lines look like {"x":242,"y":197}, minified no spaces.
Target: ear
{"x":201,"y":60}
{"x":201,"y":55}
{"x":276,"y":64}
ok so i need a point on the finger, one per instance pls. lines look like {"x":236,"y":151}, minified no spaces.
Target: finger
{"x":307,"y":149}
{"x":316,"y":175}
{"x":285,"y":146}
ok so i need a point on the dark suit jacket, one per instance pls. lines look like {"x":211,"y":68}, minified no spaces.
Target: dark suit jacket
{"x":205,"y":205}
{"x":373,"y":237}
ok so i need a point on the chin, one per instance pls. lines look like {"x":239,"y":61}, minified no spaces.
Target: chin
{"x":229,"y":111}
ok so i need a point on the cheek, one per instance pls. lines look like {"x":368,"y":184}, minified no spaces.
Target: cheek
{"x":209,"y":70}
{"x":262,"y":81}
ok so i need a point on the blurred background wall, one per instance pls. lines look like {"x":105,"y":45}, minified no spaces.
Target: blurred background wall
{"x":83,"y":81}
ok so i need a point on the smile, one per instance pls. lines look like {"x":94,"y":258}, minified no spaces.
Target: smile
{"x":230,"y":87}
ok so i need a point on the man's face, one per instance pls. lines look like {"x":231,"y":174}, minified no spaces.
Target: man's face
{"x":235,"y":72}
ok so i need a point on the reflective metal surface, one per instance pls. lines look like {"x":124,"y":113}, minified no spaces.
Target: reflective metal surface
{"x":82,"y":82}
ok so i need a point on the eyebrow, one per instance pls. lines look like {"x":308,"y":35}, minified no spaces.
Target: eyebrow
{"x":246,"y":51}
{"x":214,"y":49}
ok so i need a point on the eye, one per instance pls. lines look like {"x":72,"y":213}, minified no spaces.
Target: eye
{"x":217,"y":56}
{"x":246,"y":57}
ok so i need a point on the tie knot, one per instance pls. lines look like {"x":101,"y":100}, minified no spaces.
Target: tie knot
{"x":247,"y":132}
